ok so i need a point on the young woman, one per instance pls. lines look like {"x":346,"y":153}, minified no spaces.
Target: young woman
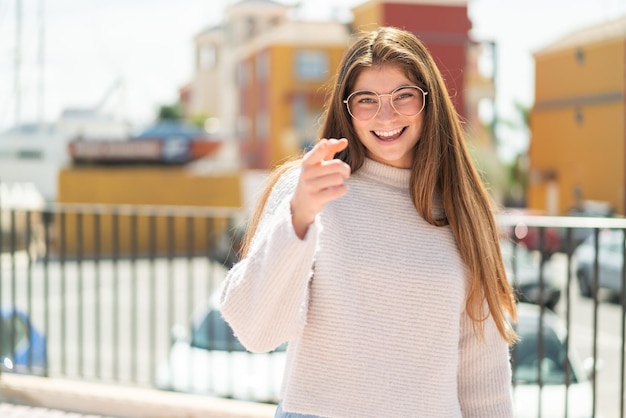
{"x":376,"y":255}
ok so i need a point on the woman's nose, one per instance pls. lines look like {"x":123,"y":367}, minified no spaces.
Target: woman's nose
{"x":386,"y":108}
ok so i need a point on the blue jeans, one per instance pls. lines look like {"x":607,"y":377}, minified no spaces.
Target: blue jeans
{"x":282,"y":414}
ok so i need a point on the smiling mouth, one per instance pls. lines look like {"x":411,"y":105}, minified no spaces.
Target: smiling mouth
{"x":389,"y":135}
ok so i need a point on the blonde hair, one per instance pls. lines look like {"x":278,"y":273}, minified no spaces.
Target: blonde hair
{"x":441,"y":167}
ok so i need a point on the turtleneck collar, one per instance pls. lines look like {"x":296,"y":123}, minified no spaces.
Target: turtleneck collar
{"x":396,"y":177}
{"x":383,"y":173}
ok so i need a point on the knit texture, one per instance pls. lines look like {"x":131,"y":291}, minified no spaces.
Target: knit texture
{"x":372,"y":302}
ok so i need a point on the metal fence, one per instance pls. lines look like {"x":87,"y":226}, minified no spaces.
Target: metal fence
{"x":104,"y":285}
{"x":94,"y":292}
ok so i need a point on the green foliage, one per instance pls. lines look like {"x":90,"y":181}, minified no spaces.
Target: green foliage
{"x":198,"y":119}
{"x":170,"y":112}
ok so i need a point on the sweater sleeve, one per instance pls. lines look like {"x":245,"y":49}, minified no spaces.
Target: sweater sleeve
{"x":484,"y":377}
{"x":264,"y":296}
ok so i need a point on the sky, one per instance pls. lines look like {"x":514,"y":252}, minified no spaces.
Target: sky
{"x":138,"y":53}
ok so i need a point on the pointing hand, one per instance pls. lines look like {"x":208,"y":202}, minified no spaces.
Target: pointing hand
{"x":321,"y":180}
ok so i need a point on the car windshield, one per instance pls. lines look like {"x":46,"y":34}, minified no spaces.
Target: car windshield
{"x":14,"y":332}
{"x":213,"y":333}
{"x":526,"y":365}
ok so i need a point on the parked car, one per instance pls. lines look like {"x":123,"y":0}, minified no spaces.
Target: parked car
{"x":23,"y":347}
{"x":547,"y":240}
{"x":610,"y":262}
{"x":211,"y":361}
{"x":523,"y":268}
{"x":527,"y":367}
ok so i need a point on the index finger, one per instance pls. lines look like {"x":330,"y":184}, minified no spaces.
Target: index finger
{"x":324,"y":150}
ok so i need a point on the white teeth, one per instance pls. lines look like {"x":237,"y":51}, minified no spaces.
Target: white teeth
{"x":384,"y":134}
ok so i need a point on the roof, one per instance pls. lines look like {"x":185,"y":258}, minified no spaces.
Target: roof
{"x":604,"y":31}
{"x":303,"y":33}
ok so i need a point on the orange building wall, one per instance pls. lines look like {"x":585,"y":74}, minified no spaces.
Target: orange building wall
{"x":283,"y":142}
{"x":577,"y":126}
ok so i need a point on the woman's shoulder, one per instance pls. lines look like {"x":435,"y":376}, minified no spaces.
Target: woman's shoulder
{"x":283,"y":180}
{"x":286,"y":176}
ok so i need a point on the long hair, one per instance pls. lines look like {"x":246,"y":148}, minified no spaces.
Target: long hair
{"x":441,"y":167}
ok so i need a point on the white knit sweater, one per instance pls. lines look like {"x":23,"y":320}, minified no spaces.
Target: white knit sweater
{"x":372,"y":304}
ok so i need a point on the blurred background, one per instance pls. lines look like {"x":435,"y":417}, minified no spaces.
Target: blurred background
{"x":135,"y":137}
{"x":106,"y":71}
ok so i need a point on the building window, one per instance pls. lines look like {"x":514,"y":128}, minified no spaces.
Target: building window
{"x":305,"y":121}
{"x":251,"y":28}
{"x":262,"y":66}
{"x":243,"y":127}
{"x":580,"y":56}
{"x":207,"y":57}
{"x":243,"y":76}
{"x":311,"y":65}
{"x":262,"y":126}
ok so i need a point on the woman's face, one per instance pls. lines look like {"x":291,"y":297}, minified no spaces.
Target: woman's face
{"x":389,"y":137}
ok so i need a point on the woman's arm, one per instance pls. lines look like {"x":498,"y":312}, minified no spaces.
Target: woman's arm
{"x":264,"y":297}
{"x":484,"y":377}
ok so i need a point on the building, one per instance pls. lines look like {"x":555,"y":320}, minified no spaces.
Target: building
{"x":577,"y":150}
{"x":443,"y":25}
{"x":270,"y":70}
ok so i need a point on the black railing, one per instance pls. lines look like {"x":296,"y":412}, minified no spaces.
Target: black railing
{"x":572,"y":235}
{"x":99,"y":293}
{"x":105,"y":284}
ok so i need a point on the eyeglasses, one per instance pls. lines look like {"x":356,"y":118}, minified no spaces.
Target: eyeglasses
{"x":406,"y":100}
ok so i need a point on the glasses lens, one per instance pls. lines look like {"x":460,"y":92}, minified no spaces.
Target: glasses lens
{"x":408,"y":101}
{"x":363,"y":105}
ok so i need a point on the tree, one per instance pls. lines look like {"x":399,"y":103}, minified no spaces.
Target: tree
{"x":171,"y":112}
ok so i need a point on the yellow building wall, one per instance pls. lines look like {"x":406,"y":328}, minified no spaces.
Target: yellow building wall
{"x":160,"y":186}
{"x":578,"y":127}
{"x":587,"y":155}
{"x":562,"y":74}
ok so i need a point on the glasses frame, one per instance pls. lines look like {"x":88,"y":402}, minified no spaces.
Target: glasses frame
{"x":380,"y":95}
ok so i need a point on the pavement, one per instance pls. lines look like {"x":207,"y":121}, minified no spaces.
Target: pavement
{"x":8,"y":410}
{"x":24,"y":396}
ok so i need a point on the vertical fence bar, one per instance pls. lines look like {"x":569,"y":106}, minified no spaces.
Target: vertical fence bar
{"x":171,"y":301}
{"x":211,"y":243}
{"x":623,"y":324}
{"x":13,"y":249}
{"x":594,"y":290}
{"x":115,"y":253}
{"x":62,"y":311}
{"x":568,"y":316}
{"x":542,"y":307}
{"x":47,"y":221}
{"x":133,"y":295}
{"x":152,"y":297}
{"x":190,"y":258}
{"x":80,"y":292}
{"x":190,"y":287}
{"x":97,"y":295}
{"x":1,"y":270}
{"x":29,"y":287}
